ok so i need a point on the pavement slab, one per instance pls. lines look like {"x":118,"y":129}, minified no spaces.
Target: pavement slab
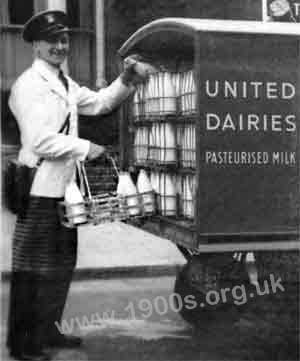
{"x":109,"y":248}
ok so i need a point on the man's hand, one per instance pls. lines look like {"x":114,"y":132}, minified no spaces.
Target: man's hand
{"x":95,"y":151}
{"x":135,"y":70}
{"x":279,"y":8}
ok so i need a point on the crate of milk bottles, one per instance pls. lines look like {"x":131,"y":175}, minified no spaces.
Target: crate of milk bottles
{"x":175,"y":194}
{"x":163,"y":112}
{"x":164,"y":137}
{"x":166,"y":93}
{"x":127,"y":202}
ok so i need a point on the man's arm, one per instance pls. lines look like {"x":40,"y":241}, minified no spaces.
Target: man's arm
{"x":106,"y":99}
{"x":103,"y":101}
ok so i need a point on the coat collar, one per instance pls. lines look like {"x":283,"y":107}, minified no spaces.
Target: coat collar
{"x":50,"y":74}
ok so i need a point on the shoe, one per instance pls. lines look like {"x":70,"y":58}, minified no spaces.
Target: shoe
{"x":65,"y":341}
{"x":26,"y":356}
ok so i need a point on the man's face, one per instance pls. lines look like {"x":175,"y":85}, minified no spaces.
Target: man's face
{"x":54,"y":49}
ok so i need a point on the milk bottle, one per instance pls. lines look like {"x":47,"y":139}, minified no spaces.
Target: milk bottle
{"x":135,"y":110}
{"x":144,"y":143}
{"x":152,"y":143}
{"x":188,"y":95}
{"x":192,"y":92}
{"x":136,"y":143}
{"x":167,"y":143}
{"x":126,"y":188}
{"x":167,"y":93}
{"x":193,"y":145}
{"x":178,"y":188}
{"x":154,"y":180}
{"x":138,"y":102}
{"x":189,"y":198}
{"x":184,"y":147}
{"x":75,"y":204}
{"x":182,"y":93}
{"x":146,"y":98}
{"x":168,"y":204}
{"x":157,"y":142}
{"x":176,"y":79}
{"x":152,"y":100}
{"x":144,"y":187}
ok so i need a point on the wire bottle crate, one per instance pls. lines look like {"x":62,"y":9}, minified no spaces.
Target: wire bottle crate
{"x":105,"y":207}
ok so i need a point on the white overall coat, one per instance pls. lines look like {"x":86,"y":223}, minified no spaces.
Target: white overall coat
{"x":40,"y":104}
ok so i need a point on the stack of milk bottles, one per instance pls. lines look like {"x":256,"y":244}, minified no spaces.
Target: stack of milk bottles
{"x":160,"y":101}
{"x":187,"y":103}
{"x":161,"y":140}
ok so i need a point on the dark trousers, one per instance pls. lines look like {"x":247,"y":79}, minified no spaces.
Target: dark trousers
{"x":36,"y":305}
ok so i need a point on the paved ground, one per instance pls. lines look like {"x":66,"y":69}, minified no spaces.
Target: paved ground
{"x":109,"y":247}
{"x":134,"y":319}
{"x":125,"y":320}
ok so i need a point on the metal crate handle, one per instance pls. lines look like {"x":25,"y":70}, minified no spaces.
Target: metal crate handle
{"x":86,"y":184}
{"x":85,"y":180}
{"x":113,"y":162}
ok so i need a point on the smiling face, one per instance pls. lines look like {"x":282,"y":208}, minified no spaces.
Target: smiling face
{"x":54,"y":49}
